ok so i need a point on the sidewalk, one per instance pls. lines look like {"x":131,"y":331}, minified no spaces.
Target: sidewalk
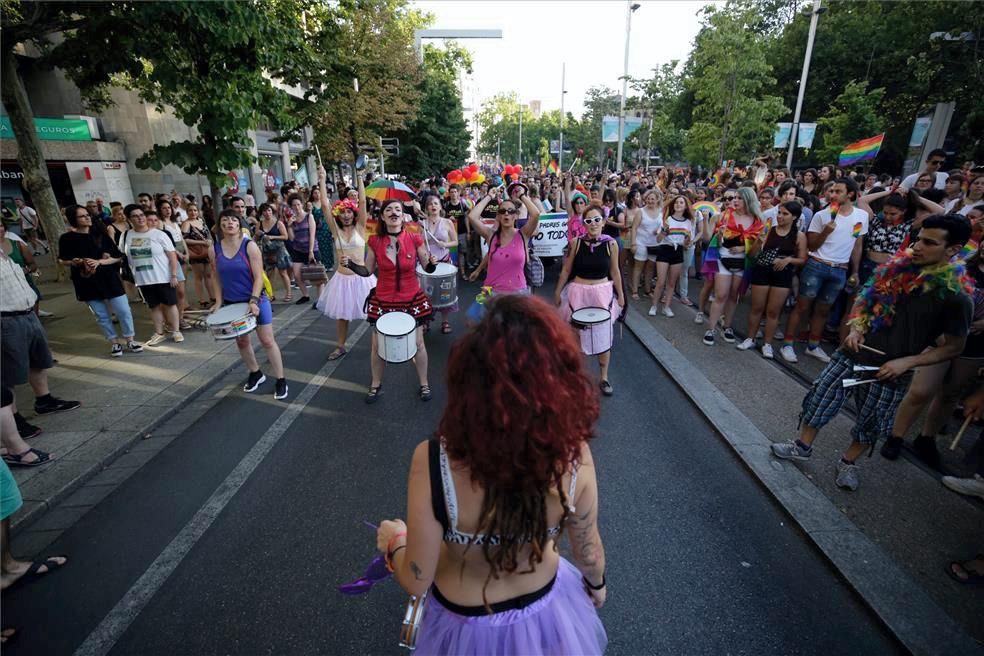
{"x":901,"y":506}
{"x":123,"y":399}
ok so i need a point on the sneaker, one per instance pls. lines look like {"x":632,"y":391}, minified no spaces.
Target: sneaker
{"x":116,"y":351}
{"x":302,"y":300}
{"x":24,"y":429}
{"x":667,"y":312}
{"x":54,"y":405}
{"x":156,"y":338}
{"x":606,"y":388}
{"x":177,"y":336}
{"x":652,"y":310}
{"x":699,"y":319}
{"x":44,"y":314}
{"x":791,"y":451}
{"x":134,"y":347}
{"x":709,"y":338}
{"x":924,"y":447}
{"x":779,"y":335}
{"x":892,"y":448}
{"x":256,"y":378}
{"x":818,"y":353}
{"x":969,"y":486}
{"x":847,"y":476}
{"x":759,"y":334}
{"x":746,"y":344}
{"x":280,"y":390}
{"x":729,"y":335}
{"x":788,"y":353}
{"x":767,"y":352}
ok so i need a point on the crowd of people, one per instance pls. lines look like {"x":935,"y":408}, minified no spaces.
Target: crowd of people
{"x":890,"y":270}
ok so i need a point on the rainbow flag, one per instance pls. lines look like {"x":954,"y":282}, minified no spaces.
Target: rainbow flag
{"x":707,"y":207}
{"x":552,"y":167}
{"x":861,"y":150}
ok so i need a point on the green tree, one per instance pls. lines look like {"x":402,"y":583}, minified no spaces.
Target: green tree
{"x":734,"y":112}
{"x":662,"y":96}
{"x":436,"y":141}
{"x":599,"y":101}
{"x":853,"y":115}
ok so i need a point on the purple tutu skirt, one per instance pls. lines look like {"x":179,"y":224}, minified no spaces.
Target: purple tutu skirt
{"x":562,"y":622}
{"x":344,"y":296}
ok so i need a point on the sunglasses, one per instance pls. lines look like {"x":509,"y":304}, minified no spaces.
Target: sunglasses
{"x":375,"y":572}
{"x":936,"y":162}
{"x":511,"y":210}
{"x":596,"y":219}
{"x":729,"y":198}
{"x":579,"y":201}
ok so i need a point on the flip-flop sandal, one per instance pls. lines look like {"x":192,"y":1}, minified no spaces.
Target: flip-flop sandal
{"x":446,"y":328}
{"x":686,"y":301}
{"x":17,"y":459}
{"x":973,"y":578}
{"x":635,"y":296}
{"x":374,"y":394}
{"x":337,"y":353}
{"x":425,"y":393}
{"x":52,"y":564}
{"x":288,"y":298}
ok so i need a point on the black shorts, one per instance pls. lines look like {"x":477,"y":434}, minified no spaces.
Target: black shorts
{"x":668,"y":254}
{"x":766,"y":276}
{"x":159,"y":294}
{"x":301,"y":257}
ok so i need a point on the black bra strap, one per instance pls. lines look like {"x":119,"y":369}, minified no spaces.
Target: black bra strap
{"x":437,"y":488}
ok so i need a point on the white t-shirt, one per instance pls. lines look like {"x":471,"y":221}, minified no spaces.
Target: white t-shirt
{"x":147,"y":254}
{"x":29,"y":218}
{"x":839,"y":244}
{"x":180,"y":216}
{"x":769,"y":216}
{"x":965,"y":210}
{"x":941,"y":177}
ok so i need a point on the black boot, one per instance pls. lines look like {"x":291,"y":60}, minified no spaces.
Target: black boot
{"x":924,"y":447}
{"x":892,"y":448}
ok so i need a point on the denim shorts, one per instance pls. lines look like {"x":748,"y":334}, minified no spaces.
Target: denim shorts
{"x":821,"y":281}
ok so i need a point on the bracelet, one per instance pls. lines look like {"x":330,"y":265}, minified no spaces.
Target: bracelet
{"x":594,"y":587}
{"x":388,"y":559}
{"x":389,"y":546}
{"x":254,"y":299}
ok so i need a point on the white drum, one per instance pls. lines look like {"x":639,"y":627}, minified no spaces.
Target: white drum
{"x":231,"y":321}
{"x":397,"y":340}
{"x":595,"y":326}
{"x":441,"y":286}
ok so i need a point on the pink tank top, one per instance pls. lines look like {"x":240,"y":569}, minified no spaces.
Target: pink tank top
{"x":506,"y":264}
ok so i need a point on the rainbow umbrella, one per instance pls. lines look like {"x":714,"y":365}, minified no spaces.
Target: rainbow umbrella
{"x":390,"y":190}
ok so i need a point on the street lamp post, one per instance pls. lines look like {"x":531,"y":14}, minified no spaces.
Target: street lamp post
{"x":793,"y":134}
{"x":520,"y":133}
{"x":629,"y":8}
{"x":563,"y":91}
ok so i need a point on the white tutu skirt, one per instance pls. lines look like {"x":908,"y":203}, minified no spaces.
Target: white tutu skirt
{"x":344,"y":296}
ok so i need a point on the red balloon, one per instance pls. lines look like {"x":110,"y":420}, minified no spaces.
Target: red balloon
{"x":471,"y":169}
{"x":580,"y":152}
{"x":519,"y":168}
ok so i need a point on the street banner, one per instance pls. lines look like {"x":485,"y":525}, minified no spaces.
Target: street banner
{"x":805,"y":134}
{"x":781,"y":137}
{"x":52,"y":129}
{"x":609,"y":127}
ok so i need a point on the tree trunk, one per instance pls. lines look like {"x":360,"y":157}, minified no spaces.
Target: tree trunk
{"x":29,"y":154}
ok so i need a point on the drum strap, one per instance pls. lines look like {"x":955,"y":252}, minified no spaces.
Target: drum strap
{"x":437,"y":488}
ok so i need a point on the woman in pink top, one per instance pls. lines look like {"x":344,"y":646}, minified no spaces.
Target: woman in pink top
{"x":506,"y":259}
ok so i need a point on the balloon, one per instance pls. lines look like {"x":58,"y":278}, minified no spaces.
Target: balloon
{"x":508,"y":170}
{"x":471,"y":169}
{"x":580,"y":152}
{"x":480,"y":178}
{"x":454,"y":174}
{"x":519,"y":168}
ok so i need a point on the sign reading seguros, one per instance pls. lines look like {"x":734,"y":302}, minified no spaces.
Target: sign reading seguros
{"x":51,"y":129}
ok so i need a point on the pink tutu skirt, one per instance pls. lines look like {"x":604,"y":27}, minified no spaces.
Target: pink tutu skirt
{"x":576,"y":296}
{"x":344,"y":296}
{"x":562,"y":622}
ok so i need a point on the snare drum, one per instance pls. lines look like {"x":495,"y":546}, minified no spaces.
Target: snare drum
{"x":231,"y":321}
{"x":441,"y":286}
{"x":397,"y":339}
{"x":595,"y":326}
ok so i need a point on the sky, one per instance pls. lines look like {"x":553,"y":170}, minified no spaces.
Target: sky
{"x":538,"y":36}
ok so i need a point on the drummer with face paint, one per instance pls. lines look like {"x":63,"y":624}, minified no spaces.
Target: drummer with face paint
{"x":238,"y":266}
{"x":592,"y":267}
{"x":393,"y":255}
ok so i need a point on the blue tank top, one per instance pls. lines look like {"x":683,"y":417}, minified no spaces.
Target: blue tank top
{"x":235,"y":274}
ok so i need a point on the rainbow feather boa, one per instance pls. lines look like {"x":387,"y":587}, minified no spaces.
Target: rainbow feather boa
{"x":875,"y":306}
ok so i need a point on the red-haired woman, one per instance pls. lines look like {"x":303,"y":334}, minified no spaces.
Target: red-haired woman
{"x":487,"y":502}
{"x":344,"y":297}
{"x":592,"y":267}
{"x":393,"y":254}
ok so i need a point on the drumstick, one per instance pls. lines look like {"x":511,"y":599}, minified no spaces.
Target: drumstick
{"x":852,"y":382}
{"x":873,"y":350}
{"x":576,"y":160}
{"x":956,"y":440}
{"x":318,"y":151}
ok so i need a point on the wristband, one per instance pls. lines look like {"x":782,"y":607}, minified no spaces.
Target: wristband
{"x":254,"y":299}
{"x":594,"y":587}
{"x":389,"y":557}
{"x":389,"y":546}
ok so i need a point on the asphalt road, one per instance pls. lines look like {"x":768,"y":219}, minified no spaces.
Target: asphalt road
{"x":701,"y":560}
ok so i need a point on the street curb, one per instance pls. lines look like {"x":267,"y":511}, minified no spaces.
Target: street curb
{"x":23,"y":519}
{"x":902,"y":605}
